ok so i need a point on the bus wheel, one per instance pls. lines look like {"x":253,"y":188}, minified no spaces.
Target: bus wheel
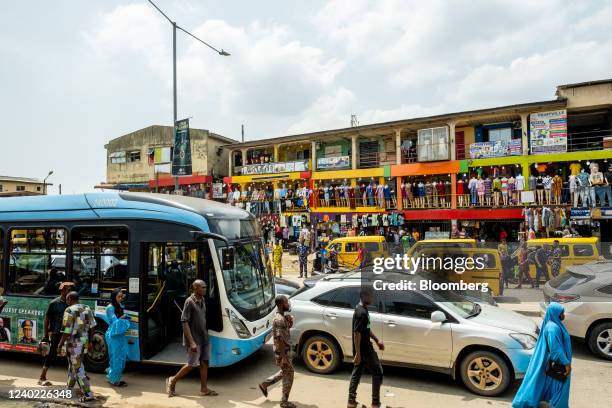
{"x":97,"y":360}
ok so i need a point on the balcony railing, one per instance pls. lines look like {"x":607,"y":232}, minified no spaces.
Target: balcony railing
{"x":376,"y":159}
{"x":588,"y":140}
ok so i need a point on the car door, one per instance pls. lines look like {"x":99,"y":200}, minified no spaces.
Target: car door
{"x":409,"y":334}
{"x":338,"y":316}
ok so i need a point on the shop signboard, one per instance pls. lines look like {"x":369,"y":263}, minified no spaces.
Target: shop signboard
{"x":580,"y":213}
{"x":272,"y":168}
{"x":181,"y":162}
{"x":217,"y":190}
{"x":437,"y":234}
{"x":498,"y":148}
{"x":548,"y":131}
{"x":337,"y":162}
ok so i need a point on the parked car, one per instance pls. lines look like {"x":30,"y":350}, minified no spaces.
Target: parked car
{"x":586,"y":293}
{"x":347,"y":249}
{"x":487,"y":347}
{"x":285,"y":287}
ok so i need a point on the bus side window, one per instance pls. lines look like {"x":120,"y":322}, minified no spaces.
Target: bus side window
{"x":99,"y":260}
{"x":37,"y":263}
{"x":1,"y":264}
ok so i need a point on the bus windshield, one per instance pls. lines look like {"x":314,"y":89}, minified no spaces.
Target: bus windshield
{"x":249,"y":285}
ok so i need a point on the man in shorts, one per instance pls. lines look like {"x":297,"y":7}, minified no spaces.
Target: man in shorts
{"x":195,"y":336}
{"x":53,"y":328}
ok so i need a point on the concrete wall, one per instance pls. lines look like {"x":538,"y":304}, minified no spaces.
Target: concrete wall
{"x":587,"y":96}
{"x":10,"y":188}
{"x":162,"y":136}
{"x":217,"y":162}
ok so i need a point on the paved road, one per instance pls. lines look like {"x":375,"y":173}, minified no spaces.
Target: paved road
{"x":237,"y":384}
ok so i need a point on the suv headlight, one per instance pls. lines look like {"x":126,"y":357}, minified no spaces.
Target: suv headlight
{"x":527,"y":341}
{"x":239,"y":327}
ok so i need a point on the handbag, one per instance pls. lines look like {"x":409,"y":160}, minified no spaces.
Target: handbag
{"x":555,"y":369}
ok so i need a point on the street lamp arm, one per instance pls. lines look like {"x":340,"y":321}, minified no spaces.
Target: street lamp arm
{"x":222,"y":52}
{"x":162,"y":13}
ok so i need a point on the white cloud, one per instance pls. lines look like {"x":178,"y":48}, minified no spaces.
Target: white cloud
{"x":269,"y":72}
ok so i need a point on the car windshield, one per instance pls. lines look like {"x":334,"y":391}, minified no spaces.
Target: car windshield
{"x":456,"y":303}
{"x":249,"y":285}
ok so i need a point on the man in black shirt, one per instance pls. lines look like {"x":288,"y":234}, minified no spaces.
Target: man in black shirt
{"x":53,"y":328}
{"x":364,"y":353}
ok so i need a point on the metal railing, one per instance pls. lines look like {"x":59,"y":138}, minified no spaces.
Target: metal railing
{"x":376,"y":159}
{"x":588,"y":140}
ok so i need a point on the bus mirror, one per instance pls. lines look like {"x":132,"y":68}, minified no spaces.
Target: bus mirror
{"x":227,"y":258}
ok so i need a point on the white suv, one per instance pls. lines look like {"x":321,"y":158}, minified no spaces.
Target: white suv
{"x":485,"y":346}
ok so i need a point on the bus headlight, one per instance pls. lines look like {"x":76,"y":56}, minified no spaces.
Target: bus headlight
{"x":239,"y":327}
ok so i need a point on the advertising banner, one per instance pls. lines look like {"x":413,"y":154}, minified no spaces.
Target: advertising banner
{"x":499,"y":148}
{"x":548,"y":131}
{"x":271,"y":168}
{"x":217,"y":190}
{"x":338,"y":162}
{"x":181,"y":162}
{"x":22,"y":323}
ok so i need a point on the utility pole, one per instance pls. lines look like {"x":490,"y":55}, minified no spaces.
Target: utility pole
{"x":221,"y":52}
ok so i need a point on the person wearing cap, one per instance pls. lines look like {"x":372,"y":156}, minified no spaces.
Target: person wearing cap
{"x":53,"y":328}
{"x":26,"y":326}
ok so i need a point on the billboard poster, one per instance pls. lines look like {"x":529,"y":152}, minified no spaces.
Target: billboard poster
{"x":271,"y":168}
{"x":499,"y":148}
{"x":22,"y":323}
{"x":548,"y":131}
{"x":338,"y":162}
{"x":181,"y":162}
{"x":217,"y":190}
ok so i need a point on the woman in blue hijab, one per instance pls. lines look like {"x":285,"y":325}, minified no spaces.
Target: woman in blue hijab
{"x":118,"y":325}
{"x":554,"y":344}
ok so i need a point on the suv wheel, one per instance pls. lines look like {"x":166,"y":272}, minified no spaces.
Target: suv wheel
{"x":485,"y":373}
{"x":600,"y":340}
{"x":97,"y":360}
{"x":321,"y":354}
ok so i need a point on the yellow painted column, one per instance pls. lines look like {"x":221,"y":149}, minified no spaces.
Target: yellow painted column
{"x":313,"y":156}
{"x":276,"y":153}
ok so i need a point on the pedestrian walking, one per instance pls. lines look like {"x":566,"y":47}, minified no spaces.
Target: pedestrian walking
{"x":555,"y":259}
{"x":282,"y":351}
{"x":303,"y":258}
{"x":523,"y":260}
{"x":363,"y":351}
{"x":277,"y":255}
{"x":363,"y":256}
{"x":195,"y":336}
{"x":547,"y":380}
{"x":77,"y":330}
{"x":52,"y":324}
{"x":541,"y":260}
{"x":116,"y":341}
{"x":502,"y":248}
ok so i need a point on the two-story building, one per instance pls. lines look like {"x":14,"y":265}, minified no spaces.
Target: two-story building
{"x":142,"y":161}
{"x":417,"y":173}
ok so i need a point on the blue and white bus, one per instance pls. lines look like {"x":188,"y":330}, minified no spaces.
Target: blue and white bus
{"x":154,"y":246}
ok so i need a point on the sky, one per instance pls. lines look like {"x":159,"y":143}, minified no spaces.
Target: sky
{"x":76,"y":74}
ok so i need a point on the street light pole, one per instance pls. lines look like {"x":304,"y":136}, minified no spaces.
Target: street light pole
{"x":45,"y":182}
{"x":221,"y":52}
{"x":176,"y":179}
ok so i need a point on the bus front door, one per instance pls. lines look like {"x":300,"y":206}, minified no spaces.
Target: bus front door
{"x":171,"y":270}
